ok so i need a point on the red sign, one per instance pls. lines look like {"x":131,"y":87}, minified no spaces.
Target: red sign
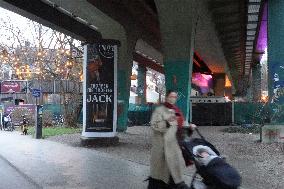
{"x":10,"y":87}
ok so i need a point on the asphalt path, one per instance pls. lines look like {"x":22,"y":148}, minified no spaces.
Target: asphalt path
{"x":13,"y":178}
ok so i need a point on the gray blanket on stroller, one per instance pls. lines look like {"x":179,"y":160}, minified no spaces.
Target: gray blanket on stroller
{"x":220,"y":174}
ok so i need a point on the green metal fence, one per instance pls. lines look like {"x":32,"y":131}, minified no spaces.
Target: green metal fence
{"x":244,"y":113}
{"x":140,"y":114}
{"x":248,"y":113}
{"x":57,"y":109}
{"x":54,"y":108}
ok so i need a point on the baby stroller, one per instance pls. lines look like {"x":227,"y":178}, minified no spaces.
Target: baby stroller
{"x":216,"y":173}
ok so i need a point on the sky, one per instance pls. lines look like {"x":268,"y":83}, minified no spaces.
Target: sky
{"x":28,"y":31}
{"x":16,"y":21}
{"x":22,"y":24}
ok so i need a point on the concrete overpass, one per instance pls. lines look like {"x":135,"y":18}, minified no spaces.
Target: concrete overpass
{"x":223,"y":32}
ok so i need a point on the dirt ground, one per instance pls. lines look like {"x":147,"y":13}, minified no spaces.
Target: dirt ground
{"x":260,"y":165}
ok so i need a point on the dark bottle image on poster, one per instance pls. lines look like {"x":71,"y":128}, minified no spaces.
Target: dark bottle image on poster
{"x":100,"y":113}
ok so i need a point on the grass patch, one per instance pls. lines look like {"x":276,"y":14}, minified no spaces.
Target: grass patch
{"x":255,"y":129}
{"x":54,"y":131}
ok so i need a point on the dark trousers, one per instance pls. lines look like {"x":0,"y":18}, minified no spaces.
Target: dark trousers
{"x":5,"y":124}
{"x":157,"y":184}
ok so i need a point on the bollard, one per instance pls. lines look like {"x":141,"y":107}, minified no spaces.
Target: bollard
{"x":38,"y":122}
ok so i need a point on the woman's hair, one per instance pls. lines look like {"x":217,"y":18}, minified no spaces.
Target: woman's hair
{"x":169,"y":92}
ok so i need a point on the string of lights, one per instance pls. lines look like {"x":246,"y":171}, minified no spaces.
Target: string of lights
{"x":32,"y":63}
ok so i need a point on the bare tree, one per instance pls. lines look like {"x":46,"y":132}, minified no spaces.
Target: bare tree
{"x":47,"y":55}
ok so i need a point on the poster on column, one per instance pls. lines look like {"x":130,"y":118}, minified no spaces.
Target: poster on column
{"x":100,"y":89}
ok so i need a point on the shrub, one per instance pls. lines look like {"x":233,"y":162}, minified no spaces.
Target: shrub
{"x":17,"y":116}
{"x":47,"y":118}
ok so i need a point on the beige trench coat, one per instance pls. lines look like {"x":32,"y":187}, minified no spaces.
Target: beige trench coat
{"x":166,"y":156}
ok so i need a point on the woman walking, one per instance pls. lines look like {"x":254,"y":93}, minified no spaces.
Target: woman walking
{"x":167,"y":163}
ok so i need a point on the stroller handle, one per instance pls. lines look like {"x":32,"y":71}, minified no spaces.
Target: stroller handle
{"x":198,"y":132}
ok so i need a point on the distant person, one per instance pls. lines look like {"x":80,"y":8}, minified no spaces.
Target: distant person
{"x":166,"y":163}
{"x":2,"y":122}
{"x":6,"y":120}
{"x":25,"y":125}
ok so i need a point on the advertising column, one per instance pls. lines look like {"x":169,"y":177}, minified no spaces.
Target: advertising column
{"x":100,"y":89}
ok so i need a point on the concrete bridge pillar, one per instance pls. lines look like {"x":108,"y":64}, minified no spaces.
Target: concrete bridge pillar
{"x":142,"y":87}
{"x":219,"y":84}
{"x":276,"y":58}
{"x":177,"y":23}
{"x":275,"y":47}
{"x":125,"y":62}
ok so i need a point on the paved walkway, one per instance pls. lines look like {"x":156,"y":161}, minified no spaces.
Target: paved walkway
{"x":31,"y":163}
{"x":252,"y":159}
{"x":11,"y":177}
